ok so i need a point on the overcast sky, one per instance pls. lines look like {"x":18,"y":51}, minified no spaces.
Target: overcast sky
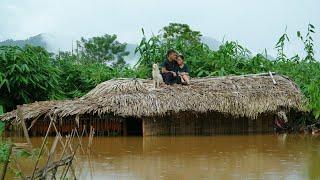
{"x":257,"y":24}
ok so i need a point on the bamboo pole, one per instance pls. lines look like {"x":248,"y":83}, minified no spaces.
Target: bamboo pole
{"x":89,"y":150}
{"x":68,"y":145}
{"x":24,"y":127}
{"x":51,"y":154}
{"x":274,"y":81}
{"x":70,"y":162}
{"x":73,"y":157}
{"x":53,"y":166}
{"x":245,"y":75}
{"x":80,"y":141}
{"x":33,"y":122}
{"x":64,"y":146}
{"x":41,"y":149}
{"x":22,"y":176}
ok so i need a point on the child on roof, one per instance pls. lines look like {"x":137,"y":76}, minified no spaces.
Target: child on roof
{"x":182,"y":70}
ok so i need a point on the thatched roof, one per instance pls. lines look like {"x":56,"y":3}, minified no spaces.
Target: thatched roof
{"x":236,"y":95}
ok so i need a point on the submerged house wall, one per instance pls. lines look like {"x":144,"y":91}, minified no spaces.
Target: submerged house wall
{"x":184,"y":123}
{"x":206,"y":124}
{"x":104,"y":125}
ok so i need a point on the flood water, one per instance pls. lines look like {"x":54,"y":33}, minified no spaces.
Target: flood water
{"x":204,"y":157}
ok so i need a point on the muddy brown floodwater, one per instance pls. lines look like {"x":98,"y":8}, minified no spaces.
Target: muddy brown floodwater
{"x":204,"y":157}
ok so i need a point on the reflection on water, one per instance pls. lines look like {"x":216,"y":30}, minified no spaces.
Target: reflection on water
{"x":205,"y":157}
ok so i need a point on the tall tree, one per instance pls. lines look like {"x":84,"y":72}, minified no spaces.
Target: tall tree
{"x":183,"y":32}
{"x":104,"y":49}
{"x":26,"y":75}
{"x":179,"y":37}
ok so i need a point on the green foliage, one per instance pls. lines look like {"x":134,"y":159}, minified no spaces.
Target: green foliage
{"x":103,"y":49}
{"x":307,"y":76}
{"x":31,"y":74}
{"x":280,"y":46}
{"x":2,"y":126}
{"x":26,"y":75}
{"x":19,"y":153}
{"x":77,"y":77}
{"x":174,"y":36}
{"x":308,"y":43}
{"x":72,"y":82}
{"x":4,"y":152}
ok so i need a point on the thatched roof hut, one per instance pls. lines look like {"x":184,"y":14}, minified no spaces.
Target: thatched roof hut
{"x":238,"y":96}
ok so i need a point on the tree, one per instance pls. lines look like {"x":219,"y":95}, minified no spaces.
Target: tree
{"x":179,"y":37}
{"x":103,"y":49}
{"x":308,"y":42}
{"x":77,"y":77}
{"x":26,"y":75}
{"x":181,"y":32}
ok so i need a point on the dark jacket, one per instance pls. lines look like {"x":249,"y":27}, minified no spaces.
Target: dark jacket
{"x":170,"y":66}
{"x":185,"y":69}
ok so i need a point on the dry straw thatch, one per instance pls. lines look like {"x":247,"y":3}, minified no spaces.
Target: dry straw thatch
{"x":247,"y":96}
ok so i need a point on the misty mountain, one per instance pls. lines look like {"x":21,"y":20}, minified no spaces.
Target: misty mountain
{"x":37,"y":40}
{"x":132,"y":58}
{"x":50,"y":42}
{"x":211,"y":42}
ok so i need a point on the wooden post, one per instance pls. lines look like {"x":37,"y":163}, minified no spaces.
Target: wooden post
{"x":274,"y":81}
{"x":51,"y":154}
{"x":42,"y":147}
{"x":24,"y":127}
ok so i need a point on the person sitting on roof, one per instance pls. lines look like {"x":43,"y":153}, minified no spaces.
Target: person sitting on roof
{"x":182,"y":70}
{"x":168,"y":67}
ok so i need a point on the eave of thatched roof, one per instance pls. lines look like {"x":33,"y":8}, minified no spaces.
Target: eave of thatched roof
{"x":236,"y":95}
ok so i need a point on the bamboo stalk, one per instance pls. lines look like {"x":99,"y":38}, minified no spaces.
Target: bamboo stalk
{"x":74,"y":157}
{"x":24,"y":127}
{"x":82,"y":134}
{"x":51,"y":154}
{"x":65,"y":149}
{"x":72,"y":152}
{"x":64,"y":146}
{"x":42,"y":146}
{"x":68,"y":145}
{"x":80,"y":141}
{"x":19,"y":168}
{"x":274,"y":81}
{"x":68,"y":138}
{"x":70,"y":163}
{"x":54,"y":165}
{"x":33,"y":122}
{"x":89,"y":150}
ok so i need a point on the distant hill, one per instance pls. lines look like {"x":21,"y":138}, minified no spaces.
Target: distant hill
{"x":211,"y":42}
{"x":51,"y":43}
{"x":132,"y":58}
{"x":37,"y":40}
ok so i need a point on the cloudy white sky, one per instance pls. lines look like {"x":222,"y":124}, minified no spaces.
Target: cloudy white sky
{"x":257,"y":24}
